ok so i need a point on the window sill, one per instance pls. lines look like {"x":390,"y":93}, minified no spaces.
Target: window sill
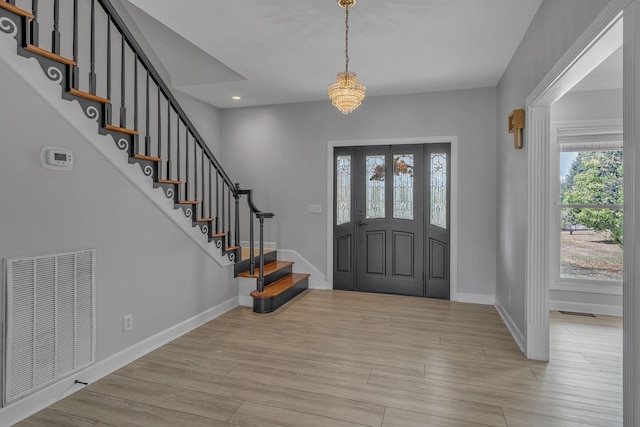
{"x":613,"y":288}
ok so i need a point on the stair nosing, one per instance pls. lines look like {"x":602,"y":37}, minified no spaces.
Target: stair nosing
{"x":53,"y":56}
{"x":122,"y":130}
{"x":149,"y":158}
{"x":89,"y":96}
{"x":255,"y":274}
{"x":295,"y":279}
{"x":15,"y":9}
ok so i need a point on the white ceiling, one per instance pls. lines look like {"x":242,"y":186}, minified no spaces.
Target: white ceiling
{"x":283,"y":51}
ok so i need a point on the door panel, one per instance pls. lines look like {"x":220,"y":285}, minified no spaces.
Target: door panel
{"x":392,"y":219}
{"x":389,"y":230}
{"x":343,"y":219}
{"x":437,"y":233}
{"x":403,"y":256}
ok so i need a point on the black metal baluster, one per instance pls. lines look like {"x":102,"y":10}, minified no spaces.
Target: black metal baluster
{"x":229,"y":222}
{"x":55,"y":34}
{"x":236,"y":196}
{"x":147,"y":138}
{"x":252,"y":245}
{"x":92,"y":65}
{"x":107,"y":119}
{"x":217,"y":201}
{"x":123,"y":84}
{"x":210,"y":194}
{"x":261,"y":272}
{"x":34,"y":34}
{"x":195,"y":169}
{"x":169,"y":142}
{"x":135,"y":92}
{"x":203,"y":211}
{"x":186,"y":168}
{"x":160,"y":126}
{"x":222,"y":208}
{"x":75,"y":74}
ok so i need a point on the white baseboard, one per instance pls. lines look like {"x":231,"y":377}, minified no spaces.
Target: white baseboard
{"x":606,"y":310}
{"x":22,"y":409}
{"x":516,"y":333}
{"x":474,"y":298}
{"x":317,"y":280}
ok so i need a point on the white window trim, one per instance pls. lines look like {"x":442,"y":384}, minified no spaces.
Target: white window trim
{"x":580,"y":132}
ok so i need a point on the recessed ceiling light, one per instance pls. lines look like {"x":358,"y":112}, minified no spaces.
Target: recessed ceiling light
{"x":236,"y":98}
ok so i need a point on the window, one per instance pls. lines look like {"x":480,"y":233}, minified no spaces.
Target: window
{"x":589,"y":214}
{"x":343,"y":189}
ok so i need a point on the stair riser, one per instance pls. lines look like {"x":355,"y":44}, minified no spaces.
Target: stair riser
{"x":277,"y":275}
{"x":245,"y":264}
{"x":268,"y":305}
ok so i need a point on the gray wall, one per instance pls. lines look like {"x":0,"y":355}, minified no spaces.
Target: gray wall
{"x":144,"y":264}
{"x":556,"y":26}
{"x":281,"y":152}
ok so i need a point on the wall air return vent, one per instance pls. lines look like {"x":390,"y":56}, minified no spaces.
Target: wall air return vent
{"x":50,"y":320}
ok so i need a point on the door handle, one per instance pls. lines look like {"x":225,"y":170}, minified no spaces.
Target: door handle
{"x":360,"y":223}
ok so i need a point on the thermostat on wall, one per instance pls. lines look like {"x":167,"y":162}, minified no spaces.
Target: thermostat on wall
{"x":55,"y":158}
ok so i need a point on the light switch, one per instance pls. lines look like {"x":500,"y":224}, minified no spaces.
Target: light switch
{"x":316,"y":209}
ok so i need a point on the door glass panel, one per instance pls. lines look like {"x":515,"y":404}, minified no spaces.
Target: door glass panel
{"x":403,"y":186}
{"x":438,"y":187}
{"x":375,"y":186}
{"x":343,"y":189}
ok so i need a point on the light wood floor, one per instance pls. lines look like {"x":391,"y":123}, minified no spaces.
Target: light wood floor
{"x":332,"y":358}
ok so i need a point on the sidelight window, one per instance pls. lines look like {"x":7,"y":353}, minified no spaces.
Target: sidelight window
{"x":343,"y":189}
{"x":438,"y":185}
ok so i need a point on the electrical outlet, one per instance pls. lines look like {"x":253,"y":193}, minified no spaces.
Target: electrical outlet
{"x":127,"y":323}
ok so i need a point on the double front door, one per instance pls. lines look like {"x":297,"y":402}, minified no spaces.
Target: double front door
{"x":391,"y":219}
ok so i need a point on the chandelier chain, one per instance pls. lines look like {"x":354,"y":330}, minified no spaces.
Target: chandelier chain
{"x":346,"y":39}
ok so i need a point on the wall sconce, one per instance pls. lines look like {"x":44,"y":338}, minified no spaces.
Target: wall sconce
{"x":516,"y":124}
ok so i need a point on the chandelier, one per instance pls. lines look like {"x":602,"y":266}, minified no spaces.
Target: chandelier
{"x":346,"y":93}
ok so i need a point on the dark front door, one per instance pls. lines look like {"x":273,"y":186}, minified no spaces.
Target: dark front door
{"x":390,"y":223}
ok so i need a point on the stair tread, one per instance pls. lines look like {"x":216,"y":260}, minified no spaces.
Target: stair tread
{"x":16,"y":10}
{"x":54,"y":56}
{"x":231,"y":248}
{"x":280,"y":286}
{"x":268,"y":269}
{"x":169,"y":181}
{"x":121,"y":130}
{"x":89,"y":96}
{"x":218,"y":234}
{"x":204,"y":219}
{"x":188,"y":202}
{"x":150,"y":158}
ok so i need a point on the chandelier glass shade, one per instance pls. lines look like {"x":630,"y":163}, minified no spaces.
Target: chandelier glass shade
{"x":346,"y":93}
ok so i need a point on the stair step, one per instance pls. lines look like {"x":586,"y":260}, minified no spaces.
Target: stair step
{"x":16,"y":10}
{"x":270,"y":268}
{"x":188,"y":202}
{"x":280,"y":286}
{"x":204,"y":219}
{"x":50,"y":55}
{"x":231,"y":248}
{"x":149,"y":158}
{"x":121,"y":130}
{"x":169,"y":181}
{"x":89,"y":96}
{"x":218,"y":234}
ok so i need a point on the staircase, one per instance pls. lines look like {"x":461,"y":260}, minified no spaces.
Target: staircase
{"x":99,"y":64}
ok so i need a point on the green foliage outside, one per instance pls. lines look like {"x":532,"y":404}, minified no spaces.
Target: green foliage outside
{"x":594,"y":178}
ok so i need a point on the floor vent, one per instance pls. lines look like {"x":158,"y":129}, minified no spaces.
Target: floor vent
{"x":50,"y":320}
{"x":575,"y":313}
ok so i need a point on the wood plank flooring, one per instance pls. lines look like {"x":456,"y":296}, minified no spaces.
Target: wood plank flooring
{"x":332,"y":358}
